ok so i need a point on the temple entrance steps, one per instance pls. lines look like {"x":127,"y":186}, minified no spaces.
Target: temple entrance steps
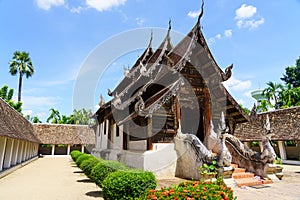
{"x":243,"y":178}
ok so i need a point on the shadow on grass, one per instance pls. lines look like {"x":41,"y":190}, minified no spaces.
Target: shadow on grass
{"x":96,"y":193}
{"x":87,"y":180}
{"x":78,"y":172}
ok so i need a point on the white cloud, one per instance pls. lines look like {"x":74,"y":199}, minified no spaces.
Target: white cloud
{"x":102,"y":5}
{"x":211,"y":41}
{"x":237,"y":85}
{"x":77,"y":9}
{"x":27,"y":112}
{"x":245,"y":16}
{"x":40,"y":101}
{"x":218,"y":36}
{"x":193,"y":14}
{"x":251,"y":24}
{"x":47,"y":4}
{"x":245,"y":12}
{"x":139,"y":21}
{"x":228,"y":33}
{"x":241,"y":101}
{"x":248,"y":94}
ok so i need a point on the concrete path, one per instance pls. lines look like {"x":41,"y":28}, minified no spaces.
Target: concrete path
{"x":48,"y":178}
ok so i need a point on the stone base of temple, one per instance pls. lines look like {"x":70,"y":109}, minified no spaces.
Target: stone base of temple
{"x":161,"y":160}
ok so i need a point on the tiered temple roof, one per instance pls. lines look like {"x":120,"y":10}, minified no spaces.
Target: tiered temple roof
{"x":186,"y":71}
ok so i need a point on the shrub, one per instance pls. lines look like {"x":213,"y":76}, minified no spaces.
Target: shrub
{"x":128,"y":184}
{"x":75,"y":154}
{"x":81,"y":158}
{"x":103,"y":169}
{"x":88,"y":165}
{"x":194,"y":190}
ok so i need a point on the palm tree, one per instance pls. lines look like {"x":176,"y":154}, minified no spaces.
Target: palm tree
{"x":54,"y":116}
{"x":272,"y":91}
{"x":21,"y":64}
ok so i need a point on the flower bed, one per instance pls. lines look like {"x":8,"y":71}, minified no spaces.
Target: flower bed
{"x":193,"y":190}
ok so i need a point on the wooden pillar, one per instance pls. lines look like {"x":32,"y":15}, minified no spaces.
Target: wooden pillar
{"x":2,"y":151}
{"x":53,"y":149}
{"x":8,"y":153}
{"x":125,"y":142}
{"x":282,"y":150}
{"x":15,"y":152}
{"x":68,"y":149}
{"x":149,"y":139}
{"x":207,"y":113}
{"x":82,"y":148}
{"x":178,"y":115}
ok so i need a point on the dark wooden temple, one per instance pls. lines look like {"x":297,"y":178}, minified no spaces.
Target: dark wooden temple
{"x":171,"y":89}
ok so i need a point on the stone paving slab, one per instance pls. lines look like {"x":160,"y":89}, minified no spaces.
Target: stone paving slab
{"x":48,"y":178}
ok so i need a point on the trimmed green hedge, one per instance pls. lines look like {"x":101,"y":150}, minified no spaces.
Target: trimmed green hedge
{"x":75,"y":154}
{"x":88,"y":165}
{"x":82,"y":158}
{"x":128,"y":184}
{"x":103,"y":169}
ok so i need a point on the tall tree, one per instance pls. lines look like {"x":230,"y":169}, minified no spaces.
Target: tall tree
{"x":292,"y":74}
{"x":21,"y":64}
{"x":272,"y":92}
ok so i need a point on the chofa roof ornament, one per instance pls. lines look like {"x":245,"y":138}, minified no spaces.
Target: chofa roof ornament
{"x":201,"y":13}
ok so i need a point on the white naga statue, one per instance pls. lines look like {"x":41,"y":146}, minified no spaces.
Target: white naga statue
{"x":268,"y":154}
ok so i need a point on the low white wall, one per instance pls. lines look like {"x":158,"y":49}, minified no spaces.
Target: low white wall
{"x":161,"y":160}
{"x":138,"y":145}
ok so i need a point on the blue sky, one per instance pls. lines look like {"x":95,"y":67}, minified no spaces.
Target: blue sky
{"x":260,"y":38}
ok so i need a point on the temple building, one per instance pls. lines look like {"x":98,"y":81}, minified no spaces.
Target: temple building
{"x":170,"y":111}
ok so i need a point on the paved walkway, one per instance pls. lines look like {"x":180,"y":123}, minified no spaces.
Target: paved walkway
{"x":48,"y":178}
{"x":286,"y":189}
{"x":58,"y":178}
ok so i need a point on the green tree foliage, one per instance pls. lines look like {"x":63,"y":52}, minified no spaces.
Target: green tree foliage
{"x":21,"y":64}
{"x":286,"y":95}
{"x":7,"y":94}
{"x":245,"y":109}
{"x":54,"y":116}
{"x":34,"y":119}
{"x":264,"y":106}
{"x":292,"y":75}
{"x":77,"y":117}
{"x":80,"y":116}
{"x":289,"y":96}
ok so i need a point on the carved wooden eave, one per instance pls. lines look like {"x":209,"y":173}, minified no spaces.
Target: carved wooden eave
{"x":134,"y":71}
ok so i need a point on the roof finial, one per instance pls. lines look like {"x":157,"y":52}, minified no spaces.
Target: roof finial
{"x":170,"y":24}
{"x":201,"y":13}
{"x":151,"y":38}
